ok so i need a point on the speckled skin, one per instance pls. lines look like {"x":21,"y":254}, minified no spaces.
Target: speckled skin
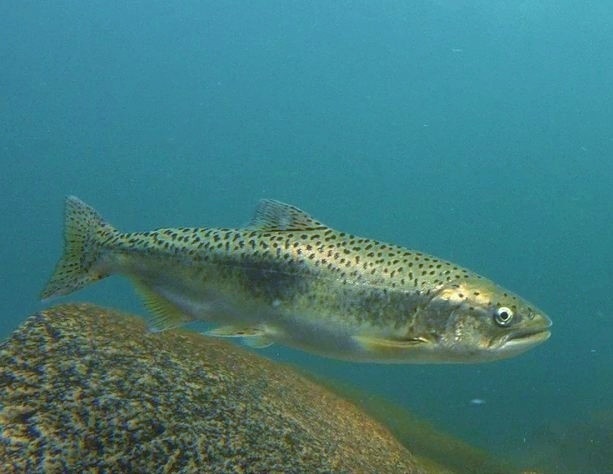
{"x":300,"y":283}
{"x":84,"y":389}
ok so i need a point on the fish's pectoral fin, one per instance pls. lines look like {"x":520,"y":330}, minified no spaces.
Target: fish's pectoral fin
{"x":234,"y":331}
{"x":388,"y":344}
{"x":251,"y":336}
{"x":166,"y":315}
{"x":257,"y":342}
{"x":277,"y":216}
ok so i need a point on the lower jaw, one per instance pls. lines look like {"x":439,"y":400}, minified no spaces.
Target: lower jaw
{"x":525,"y":343}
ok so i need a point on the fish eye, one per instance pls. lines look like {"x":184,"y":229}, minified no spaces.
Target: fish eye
{"x":503,"y":316}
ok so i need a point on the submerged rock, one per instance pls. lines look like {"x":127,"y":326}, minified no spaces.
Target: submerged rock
{"x":87,"y":389}
{"x":440,"y":451}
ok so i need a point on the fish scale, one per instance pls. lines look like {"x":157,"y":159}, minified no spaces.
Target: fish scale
{"x":290,"y":279}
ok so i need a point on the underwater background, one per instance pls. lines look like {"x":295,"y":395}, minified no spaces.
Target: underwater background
{"x":478,"y":131}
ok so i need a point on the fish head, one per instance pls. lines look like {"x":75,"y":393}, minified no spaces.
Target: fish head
{"x":477,"y":321}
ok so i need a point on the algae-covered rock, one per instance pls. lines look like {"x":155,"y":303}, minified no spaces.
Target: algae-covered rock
{"x":85,"y":389}
{"x":440,"y":451}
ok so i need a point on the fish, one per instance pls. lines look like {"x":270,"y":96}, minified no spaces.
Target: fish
{"x":289,"y":279}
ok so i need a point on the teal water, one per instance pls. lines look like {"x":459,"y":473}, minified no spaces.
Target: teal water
{"x":477,"y":131}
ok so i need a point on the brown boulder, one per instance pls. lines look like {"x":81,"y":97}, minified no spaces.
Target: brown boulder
{"x":85,"y":389}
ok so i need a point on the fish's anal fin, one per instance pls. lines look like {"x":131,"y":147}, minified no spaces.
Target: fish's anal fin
{"x":166,"y":315}
{"x":252,"y":337}
{"x":277,"y":216}
{"x":380,"y":344}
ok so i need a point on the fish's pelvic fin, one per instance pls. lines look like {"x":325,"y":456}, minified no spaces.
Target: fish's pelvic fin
{"x":253,"y":337}
{"x":273,"y":215}
{"x":166,"y":315}
{"x":84,"y":231}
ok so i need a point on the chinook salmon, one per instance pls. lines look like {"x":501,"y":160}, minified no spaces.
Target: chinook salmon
{"x":287,"y":278}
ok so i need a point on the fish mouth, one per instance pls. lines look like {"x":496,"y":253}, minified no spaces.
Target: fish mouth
{"x":526,"y":338}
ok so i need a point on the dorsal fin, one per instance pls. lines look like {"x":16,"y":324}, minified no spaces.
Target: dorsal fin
{"x":277,"y":216}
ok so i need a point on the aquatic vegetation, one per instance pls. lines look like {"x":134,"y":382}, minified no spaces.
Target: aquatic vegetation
{"x":83,"y":388}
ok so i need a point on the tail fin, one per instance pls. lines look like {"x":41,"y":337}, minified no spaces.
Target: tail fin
{"x":84,"y":230}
